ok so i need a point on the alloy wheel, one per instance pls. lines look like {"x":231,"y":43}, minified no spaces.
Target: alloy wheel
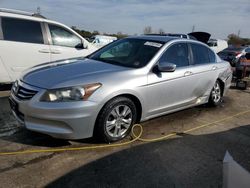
{"x":118,"y":121}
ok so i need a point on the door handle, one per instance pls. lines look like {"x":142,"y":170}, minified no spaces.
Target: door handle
{"x":214,"y":68}
{"x":188,"y":73}
{"x":44,"y":51}
{"x":55,"y":51}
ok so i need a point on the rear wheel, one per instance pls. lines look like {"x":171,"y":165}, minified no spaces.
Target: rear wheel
{"x":116,"y":119}
{"x":216,"y":95}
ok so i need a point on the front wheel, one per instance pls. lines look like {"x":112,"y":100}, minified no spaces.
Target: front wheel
{"x":116,"y":119}
{"x":216,"y":95}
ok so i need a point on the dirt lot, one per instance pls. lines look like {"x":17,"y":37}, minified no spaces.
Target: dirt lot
{"x":193,"y":159}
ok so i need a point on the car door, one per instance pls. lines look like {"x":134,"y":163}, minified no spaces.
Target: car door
{"x":23,"y":45}
{"x":65,"y":44}
{"x":168,"y":91}
{"x":204,"y":69}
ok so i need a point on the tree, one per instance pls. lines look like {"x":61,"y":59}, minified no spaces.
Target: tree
{"x":147,"y":30}
{"x":95,"y":32}
{"x":235,"y":40}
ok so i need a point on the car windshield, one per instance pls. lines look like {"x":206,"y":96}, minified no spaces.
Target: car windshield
{"x":128,"y":52}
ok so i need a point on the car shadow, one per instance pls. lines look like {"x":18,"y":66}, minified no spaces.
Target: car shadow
{"x":24,"y":136}
{"x":187,"y":161}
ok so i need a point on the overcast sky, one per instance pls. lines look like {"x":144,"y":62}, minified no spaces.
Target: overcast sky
{"x":217,"y":17}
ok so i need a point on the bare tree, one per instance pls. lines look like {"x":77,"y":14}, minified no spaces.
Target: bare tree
{"x":147,"y":30}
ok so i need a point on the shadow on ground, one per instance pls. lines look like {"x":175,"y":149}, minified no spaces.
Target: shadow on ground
{"x":187,"y":161}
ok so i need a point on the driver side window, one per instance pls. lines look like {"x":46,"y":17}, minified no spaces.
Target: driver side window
{"x":176,"y":54}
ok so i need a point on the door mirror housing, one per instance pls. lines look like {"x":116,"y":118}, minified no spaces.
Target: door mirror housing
{"x":166,"y":67}
{"x":81,"y":45}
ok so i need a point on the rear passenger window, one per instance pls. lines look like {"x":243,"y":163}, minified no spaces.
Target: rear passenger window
{"x":176,"y":54}
{"x":22,"y":30}
{"x":200,"y":54}
{"x":211,"y":55}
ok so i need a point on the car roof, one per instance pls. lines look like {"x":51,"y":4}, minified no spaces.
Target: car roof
{"x":11,"y":13}
{"x":158,"y":38}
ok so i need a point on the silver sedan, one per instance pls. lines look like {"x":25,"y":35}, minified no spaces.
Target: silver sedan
{"x":126,"y":82}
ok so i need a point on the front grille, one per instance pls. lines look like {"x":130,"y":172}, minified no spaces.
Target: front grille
{"x":23,"y":93}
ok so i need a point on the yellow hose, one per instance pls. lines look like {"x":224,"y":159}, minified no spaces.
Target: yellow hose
{"x":136,"y":137}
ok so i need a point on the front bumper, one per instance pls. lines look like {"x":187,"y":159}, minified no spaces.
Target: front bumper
{"x":66,"y":120}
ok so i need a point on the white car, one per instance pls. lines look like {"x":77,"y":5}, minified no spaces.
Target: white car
{"x":28,"y":39}
{"x":217,"y":45}
{"x":102,"y":40}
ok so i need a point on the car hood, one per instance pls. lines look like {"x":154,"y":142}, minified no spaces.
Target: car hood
{"x":64,"y":73}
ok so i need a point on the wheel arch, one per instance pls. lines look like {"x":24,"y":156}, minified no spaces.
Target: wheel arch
{"x":132,"y":97}
{"x":222,"y":85}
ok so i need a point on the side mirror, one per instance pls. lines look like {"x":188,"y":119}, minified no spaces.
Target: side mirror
{"x":166,"y":67}
{"x":81,"y":46}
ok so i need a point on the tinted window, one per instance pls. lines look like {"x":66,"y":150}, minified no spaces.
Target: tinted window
{"x":128,"y":52}
{"x":176,"y":54}
{"x":22,"y":30}
{"x":63,"y":37}
{"x":248,"y":50}
{"x":211,"y":56}
{"x":200,"y":54}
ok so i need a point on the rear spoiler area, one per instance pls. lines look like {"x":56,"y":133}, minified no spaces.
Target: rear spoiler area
{"x":200,"y":36}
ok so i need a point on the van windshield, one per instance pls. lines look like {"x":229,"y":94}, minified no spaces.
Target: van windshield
{"x":128,"y":52}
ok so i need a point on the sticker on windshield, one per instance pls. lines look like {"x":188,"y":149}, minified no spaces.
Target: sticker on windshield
{"x":155,"y":44}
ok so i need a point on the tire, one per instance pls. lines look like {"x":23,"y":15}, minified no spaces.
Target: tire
{"x":115,"y":120}
{"x":215,"y":98}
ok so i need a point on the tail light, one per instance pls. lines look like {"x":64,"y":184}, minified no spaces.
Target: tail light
{"x":238,"y":54}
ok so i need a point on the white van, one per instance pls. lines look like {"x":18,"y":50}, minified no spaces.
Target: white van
{"x":28,"y":39}
{"x":217,"y":45}
{"x":102,"y":40}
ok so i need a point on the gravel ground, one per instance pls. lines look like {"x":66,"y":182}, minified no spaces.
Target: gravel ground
{"x":186,"y":160}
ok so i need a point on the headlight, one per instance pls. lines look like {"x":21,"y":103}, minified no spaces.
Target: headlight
{"x":77,"y":93}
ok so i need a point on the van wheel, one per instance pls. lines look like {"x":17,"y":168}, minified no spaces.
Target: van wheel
{"x":116,"y":119}
{"x":216,"y":95}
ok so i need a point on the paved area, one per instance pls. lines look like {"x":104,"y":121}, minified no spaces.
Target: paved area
{"x":186,"y":160}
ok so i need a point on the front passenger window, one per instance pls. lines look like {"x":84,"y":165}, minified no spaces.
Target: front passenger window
{"x":176,"y":54}
{"x":63,"y":37}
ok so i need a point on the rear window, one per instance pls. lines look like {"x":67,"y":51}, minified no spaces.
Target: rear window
{"x":22,"y":30}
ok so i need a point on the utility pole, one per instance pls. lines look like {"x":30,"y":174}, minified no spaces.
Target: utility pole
{"x":193,"y":28}
{"x":239,"y":33}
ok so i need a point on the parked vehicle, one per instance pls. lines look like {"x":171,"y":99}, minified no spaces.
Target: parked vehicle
{"x":28,"y":39}
{"x":233,"y":54}
{"x":102,"y":40}
{"x":242,"y":71}
{"x":200,"y":36}
{"x":217,"y":45}
{"x":128,"y":81}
